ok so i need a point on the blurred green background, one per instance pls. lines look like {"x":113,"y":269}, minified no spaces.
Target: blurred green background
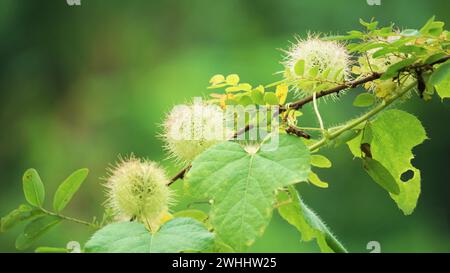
{"x":80,"y":85}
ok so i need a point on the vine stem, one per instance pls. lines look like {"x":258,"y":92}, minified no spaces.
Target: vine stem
{"x":316,"y":109}
{"x":355,"y":122}
{"x":78,"y":221}
{"x":299,"y":104}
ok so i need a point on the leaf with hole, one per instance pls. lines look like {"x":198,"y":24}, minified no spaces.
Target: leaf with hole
{"x":402,"y":131}
{"x":380,"y":175}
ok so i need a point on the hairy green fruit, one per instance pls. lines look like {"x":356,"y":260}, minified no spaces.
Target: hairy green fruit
{"x":313,"y":63}
{"x":138,"y":189}
{"x":190,"y":129}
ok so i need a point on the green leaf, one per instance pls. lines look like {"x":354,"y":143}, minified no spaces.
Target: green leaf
{"x":245,"y":100}
{"x":310,"y":226}
{"x":369,"y":26}
{"x":46,"y":249}
{"x":410,"y":32}
{"x":68,"y":188}
{"x":432,"y":27}
{"x":383,"y":52}
{"x":36,"y":229}
{"x":314,"y":179}
{"x":176,"y":235}
{"x":123,"y":237}
{"x":412,"y":49}
{"x":196,"y":214}
{"x":22,"y":213}
{"x":314,"y":71}
{"x":428,"y":25}
{"x":33,"y":188}
{"x":270,"y":98}
{"x":402,"y":131}
{"x":257,"y":96}
{"x":344,"y":137}
{"x":434,"y":57}
{"x":320,"y":161}
{"x":441,"y":80}
{"x":395,"y":68}
{"x":299,"y":67}
{"x":380,"y":175}
{"x":364,"y":100}
{"x":241,"y":182}
{"x":181,"y":235}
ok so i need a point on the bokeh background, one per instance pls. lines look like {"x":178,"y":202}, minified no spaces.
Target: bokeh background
{"x":81,"y":85}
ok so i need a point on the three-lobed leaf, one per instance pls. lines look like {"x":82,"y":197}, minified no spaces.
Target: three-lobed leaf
{"x":241,"y":182}
{"x":176,"y":235}
{"x":394,"y":134}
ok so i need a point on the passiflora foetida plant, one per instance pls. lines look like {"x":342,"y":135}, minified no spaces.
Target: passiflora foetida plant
{"x":245,"y":147}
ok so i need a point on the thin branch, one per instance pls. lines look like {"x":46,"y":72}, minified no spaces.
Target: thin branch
{"x":92,"y":225}
{"x":353,"y":123}
{"x":300,"y":103}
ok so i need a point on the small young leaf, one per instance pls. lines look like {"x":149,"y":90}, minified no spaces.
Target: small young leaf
{"x":216,"y":79}
{"x":314,"y":71}
{"x":35,"y":229}
{"x":381,"y":175}
{"x":434,"y":57}
{"x":232,"y":79}
{"x":33,"y":188}
{"x":316,"y":181}
{"x":22,"y":213}
{"x":281,"y":93}
{"x":196,"y":214}
{"x":270,"y":98}
{"x":68,"y":188}
{"x":441,"y":80}
{"x":245,"y":100}
{"x":410,"y":32}
{"x":46,"y":249}
{"x":257,"y":97}
{"x":299,"y":67}
{"x":364,"y":100}
{"x":395,"y":68}
{"x":320,"y":161}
